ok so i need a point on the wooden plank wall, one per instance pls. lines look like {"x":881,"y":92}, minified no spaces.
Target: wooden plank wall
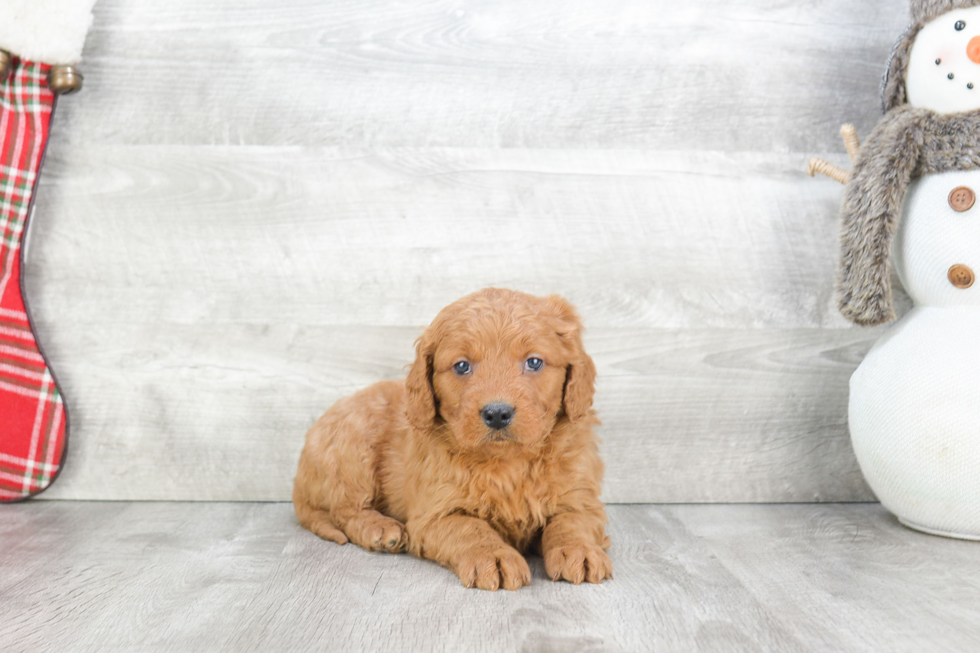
{"x":255,"y":206}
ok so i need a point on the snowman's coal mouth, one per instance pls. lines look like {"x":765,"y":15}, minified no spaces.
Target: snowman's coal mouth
{"x":951,"y":76}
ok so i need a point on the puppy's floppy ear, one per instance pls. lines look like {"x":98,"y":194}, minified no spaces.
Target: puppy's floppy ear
{"x":421,"y":405}
{"x":580,"y":374}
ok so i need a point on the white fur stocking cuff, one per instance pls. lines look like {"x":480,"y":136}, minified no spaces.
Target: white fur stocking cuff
{"x":46,"y":31}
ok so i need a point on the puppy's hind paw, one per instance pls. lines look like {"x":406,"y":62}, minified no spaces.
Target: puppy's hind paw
{"x":376,"y":532}
{"x":327,"y":531}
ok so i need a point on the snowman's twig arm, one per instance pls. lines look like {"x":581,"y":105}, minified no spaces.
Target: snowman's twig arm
{"x":827,"y":168}
{"x":851,"y":141}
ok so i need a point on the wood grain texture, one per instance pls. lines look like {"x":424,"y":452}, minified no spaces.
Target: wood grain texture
{"x":848,"y":576}
{"x":220,"y":412}
{"x":313,"y":236}
{"x":254,"y":208}
{"x":216,"y":263}
{"x":240,"y":577}
{"x":640,"y":74}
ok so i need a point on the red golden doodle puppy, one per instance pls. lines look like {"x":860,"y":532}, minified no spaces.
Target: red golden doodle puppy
{"x":485,"y":451}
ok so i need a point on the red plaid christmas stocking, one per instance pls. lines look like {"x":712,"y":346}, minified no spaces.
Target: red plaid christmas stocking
{"x":33,"y":421}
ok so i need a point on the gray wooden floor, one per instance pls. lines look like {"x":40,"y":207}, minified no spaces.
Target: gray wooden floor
{"x":77,"y":576}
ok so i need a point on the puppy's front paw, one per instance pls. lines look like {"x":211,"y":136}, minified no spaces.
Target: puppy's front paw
{"x":578,"y":562}
{"x":491,"y":569}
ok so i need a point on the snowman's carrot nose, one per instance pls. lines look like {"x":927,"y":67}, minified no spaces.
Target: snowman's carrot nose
{"x":973,"y":49}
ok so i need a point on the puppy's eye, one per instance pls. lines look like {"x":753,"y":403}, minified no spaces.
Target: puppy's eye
{"x":533,"y":364}
{"x":960,"y":25}
{"x":462,"y":368}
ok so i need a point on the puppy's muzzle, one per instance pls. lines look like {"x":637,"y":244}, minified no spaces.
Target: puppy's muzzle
{"x":497,"y":416}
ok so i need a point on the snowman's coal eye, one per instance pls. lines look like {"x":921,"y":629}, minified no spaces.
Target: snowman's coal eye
{"x":950,"y":76}
{"x":960,"y":26}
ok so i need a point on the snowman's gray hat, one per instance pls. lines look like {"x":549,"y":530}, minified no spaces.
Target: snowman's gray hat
{"x":923,"y":11}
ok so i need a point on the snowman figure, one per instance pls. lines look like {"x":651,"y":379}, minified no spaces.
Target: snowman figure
{"x":911,"y":202}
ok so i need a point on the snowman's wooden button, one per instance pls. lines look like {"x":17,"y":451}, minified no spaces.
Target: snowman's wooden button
{"x":961,"y":276}
{"x":962,"y":199}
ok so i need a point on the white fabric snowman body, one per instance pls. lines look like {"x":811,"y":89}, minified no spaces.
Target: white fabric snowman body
{"x":914,"y":410}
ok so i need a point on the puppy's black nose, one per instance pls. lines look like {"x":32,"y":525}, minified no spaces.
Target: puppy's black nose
{"x":497,"y":416}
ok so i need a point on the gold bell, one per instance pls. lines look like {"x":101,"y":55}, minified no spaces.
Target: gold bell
{"x":6,"y":65}
{"x":64,"y":80}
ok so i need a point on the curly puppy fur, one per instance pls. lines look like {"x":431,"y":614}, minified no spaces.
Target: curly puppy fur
{"x":412,"y":465}
{"x":908,"y":143}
